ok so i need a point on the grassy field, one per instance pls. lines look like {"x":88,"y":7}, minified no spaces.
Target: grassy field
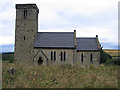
{"x":112,"y":52}
{"x":30,"y":76}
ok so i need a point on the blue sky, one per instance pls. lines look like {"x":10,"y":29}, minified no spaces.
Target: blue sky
{"x":88,"y":17}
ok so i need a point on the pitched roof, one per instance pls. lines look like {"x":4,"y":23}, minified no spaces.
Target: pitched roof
{"x":87,"y":44}
{"x":54,"y":40}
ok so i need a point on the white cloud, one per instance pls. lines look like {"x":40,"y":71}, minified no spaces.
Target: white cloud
{"x":51,"y":14}
{"x":104,"y":34}
{"x":8,"y":15}
{"x":6,"y":40}
{"x":48,"y":8}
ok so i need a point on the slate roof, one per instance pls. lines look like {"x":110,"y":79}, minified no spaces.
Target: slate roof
{"x":54,"y":40}
{"x":87,"y":44}
{"x":64,"y":40}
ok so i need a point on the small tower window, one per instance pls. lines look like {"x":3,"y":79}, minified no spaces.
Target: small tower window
{"x":25,"y":13}
{"x":82,"y":57}
{"x":24,"y":37}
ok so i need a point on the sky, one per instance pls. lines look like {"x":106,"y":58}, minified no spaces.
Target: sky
{"x":88,"y":17}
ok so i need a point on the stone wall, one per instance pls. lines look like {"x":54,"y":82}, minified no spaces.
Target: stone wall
{"x":86,"y":58}
{"x":47,"y":52}
{"x":70,"y":57}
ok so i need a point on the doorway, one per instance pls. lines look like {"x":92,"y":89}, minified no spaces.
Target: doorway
{"x":40,"y":61}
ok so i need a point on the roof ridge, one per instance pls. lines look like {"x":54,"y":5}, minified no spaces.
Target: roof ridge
{"x":85,"y":37}
{"x":55,"y":32}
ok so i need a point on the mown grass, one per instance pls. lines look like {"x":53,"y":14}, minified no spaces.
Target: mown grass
{"x":31,"y":76}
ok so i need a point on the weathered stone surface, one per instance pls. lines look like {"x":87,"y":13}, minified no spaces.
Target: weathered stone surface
{"x":86,"y":58}
{"x":25,"y":33}
{"x":47,"y":52}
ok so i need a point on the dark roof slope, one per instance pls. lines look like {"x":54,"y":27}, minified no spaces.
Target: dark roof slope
{"x":54,"y":40}
{"x":87,"y":44}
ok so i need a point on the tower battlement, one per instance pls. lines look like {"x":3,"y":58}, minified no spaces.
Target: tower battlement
{"x":26,"y":6}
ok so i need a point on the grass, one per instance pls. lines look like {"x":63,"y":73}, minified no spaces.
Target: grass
{"x":31,"y":76}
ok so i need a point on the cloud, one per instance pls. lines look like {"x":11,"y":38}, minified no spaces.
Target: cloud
{"x":48,"y":8}
{"x":105,"y":35}
{"x":6,"y":40}
{"x":88,"y":17}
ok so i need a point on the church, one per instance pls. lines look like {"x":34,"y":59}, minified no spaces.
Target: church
{"x":51,"y":48}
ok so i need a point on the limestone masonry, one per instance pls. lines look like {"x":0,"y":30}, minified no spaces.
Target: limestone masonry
{"x":51,"y":48}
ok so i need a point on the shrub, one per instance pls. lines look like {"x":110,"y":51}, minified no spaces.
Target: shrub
{"x":105,"y":57}
{"x":8,"y":57}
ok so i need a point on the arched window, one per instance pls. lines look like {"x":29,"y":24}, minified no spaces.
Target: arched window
{"x":82,"y":57}
{"x":51,"y":55}
{"x":64,"y":55}
{"x":61,"y":56}
{"x":91,"y":57}
{"x":54,"y":55}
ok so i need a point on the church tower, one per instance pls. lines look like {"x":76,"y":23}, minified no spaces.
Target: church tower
{"x":25,"y":31}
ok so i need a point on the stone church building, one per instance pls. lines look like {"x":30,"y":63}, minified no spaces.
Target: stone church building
{"x":46,"y":48}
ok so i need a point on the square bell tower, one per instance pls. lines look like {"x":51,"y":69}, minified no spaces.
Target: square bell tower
{"x":26,"y":27}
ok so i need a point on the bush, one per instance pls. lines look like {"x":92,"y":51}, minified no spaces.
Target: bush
{"x":11,"y":59}
{"x":105,"y":57}
{"x":8,"y":57}
{"x":117,"y":62}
